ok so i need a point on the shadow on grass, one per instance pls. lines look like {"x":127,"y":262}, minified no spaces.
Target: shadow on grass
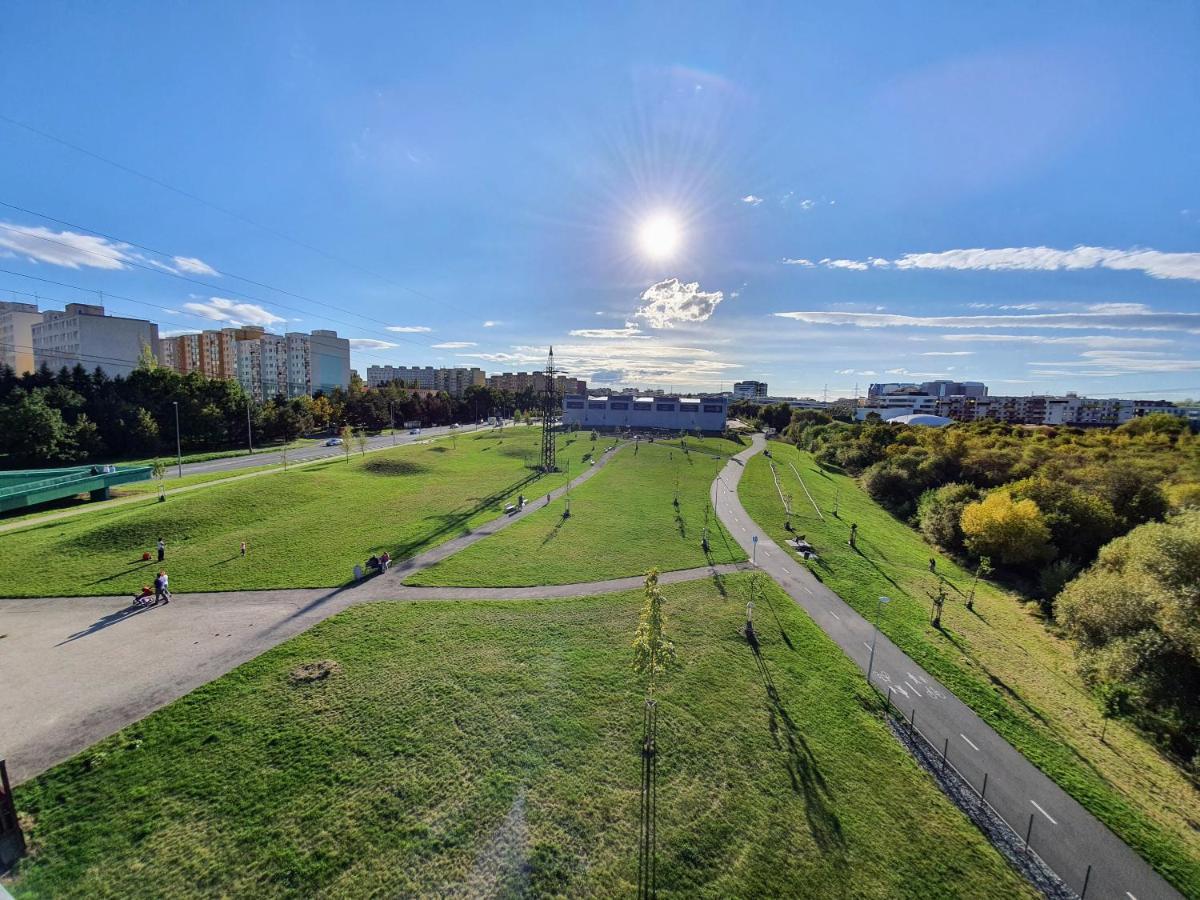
{"x":553,"y":532}
{"x":134,"y":566}
{"x":802,"y":766}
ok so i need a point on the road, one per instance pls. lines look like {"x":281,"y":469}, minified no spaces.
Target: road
{"x":1064,"y":834}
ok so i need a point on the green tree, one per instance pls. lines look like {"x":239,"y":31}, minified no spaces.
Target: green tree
{"x":653,"y":653}
{"x":360,"y":440}
{"x":33,"y":432}
{"x":939,"y":514}
{"x":1011,"y":531}
{"x":346,"y":433}
{"x":1080,"y":523}
{"x":158,"y":472}
{"x":1135,"y":618}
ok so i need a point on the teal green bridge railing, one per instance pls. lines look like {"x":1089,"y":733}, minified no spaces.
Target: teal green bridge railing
{"x":32,"y":487}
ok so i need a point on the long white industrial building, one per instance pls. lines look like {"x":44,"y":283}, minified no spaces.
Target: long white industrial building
{"x":705,"y":414}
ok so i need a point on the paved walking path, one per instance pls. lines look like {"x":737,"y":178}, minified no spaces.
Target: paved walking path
{"x":1065,"y":835}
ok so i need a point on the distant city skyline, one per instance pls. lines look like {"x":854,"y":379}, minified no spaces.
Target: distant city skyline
{"x":675,"y":201}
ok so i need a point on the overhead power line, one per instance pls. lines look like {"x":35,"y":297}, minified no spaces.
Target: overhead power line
{"x":172,"y":256}
{"x":129,"y":170}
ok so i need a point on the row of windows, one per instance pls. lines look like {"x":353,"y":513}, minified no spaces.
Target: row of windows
{"x":616,"y":405}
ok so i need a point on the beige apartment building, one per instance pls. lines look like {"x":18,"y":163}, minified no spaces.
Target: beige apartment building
{"x":520,"y":381}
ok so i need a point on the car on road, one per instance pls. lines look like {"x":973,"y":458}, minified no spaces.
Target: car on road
{"x":455,"y":425}
{"x":333,"y":442}
{"x":414,"y":431}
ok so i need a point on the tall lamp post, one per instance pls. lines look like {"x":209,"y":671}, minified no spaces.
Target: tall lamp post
{"x":178,"y":445}
{"x":875,"y":634}
{"x":249,"y":430}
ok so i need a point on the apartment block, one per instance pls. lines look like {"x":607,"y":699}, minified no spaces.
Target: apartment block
{"x":16,"y":335}
{"x":453,"y":381}
{"x":536,"y":381}
{"x":83,"y":333}
{"x":750,"y":390}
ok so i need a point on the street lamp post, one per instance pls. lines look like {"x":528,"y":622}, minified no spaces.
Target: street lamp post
{"x":875,"y":634}
{"x":249,"y":430}
{"x":178,"y":444}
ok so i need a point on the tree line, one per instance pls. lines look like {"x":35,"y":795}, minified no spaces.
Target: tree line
{"x":1100,"y":526}
{"x":74,"y":415}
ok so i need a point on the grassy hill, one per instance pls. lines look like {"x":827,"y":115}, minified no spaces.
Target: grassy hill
{"x":622,"y":522}
{"x":494,"y":749}
{"x":999,"y":659}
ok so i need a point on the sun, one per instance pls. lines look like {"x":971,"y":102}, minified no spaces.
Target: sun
{"x":660,"y":236}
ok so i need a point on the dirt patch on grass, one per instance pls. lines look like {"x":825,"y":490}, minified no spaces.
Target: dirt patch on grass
{"x":314,"y":671}
{"x":394,"y":467}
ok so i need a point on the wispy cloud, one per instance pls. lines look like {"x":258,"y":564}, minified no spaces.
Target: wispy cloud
{"x":752,"y":200}
{"x":1121,"y":362}
{"x":454,"y":345}
{"x":1155,"y":263}
{"x":219,"y":309}
{"x":1094,"y":341}
{"x":854,"y":264}
{"x":1147,"y":321}
{"x":193,"y":266}
{"x":63,"y":248}
{"x":370,"y":344}
{"x":948,"y":353}
{"x":409,"y":329}
{"x":630,"y":330}
{"x":798,"y":261}
{"x":672,"y":302}
{"x":490,"y":323}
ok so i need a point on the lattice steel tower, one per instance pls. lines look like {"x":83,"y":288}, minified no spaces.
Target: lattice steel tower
{"x":549,"y":411}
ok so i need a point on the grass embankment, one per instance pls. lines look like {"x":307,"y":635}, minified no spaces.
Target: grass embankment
{"x":493,"y":749}
{"x":1001,"y":660}
{"x":623,"y":521}
{"x":306,"y":527}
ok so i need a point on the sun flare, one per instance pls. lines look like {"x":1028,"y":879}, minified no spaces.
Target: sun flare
{"x":660,"y":236}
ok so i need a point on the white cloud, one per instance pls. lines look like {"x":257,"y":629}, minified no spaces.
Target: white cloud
{"x":220,"y":309}
{"x":193,"y":266}
{"x":490,"y":324}
{"x":409,"y":329}
{"x":1119,"y":309}
{"x":845,"y":264}
{"x":671,"y":302}
{"x":370,"y":344}
{"x":1024,"y":306}
{"x":454,"y":345}
{"x":1149,"y":321}
{"x":630,"y":330}
{"x":1155,"y":263}
{"x":948,"y":353}
{"x":807,"y":204}
{"x":752,"y":200}
{"x":63,"y":248}
{"x":1124,"y":362}
{"x":1095,"y":341}
{"x":791,"y":261}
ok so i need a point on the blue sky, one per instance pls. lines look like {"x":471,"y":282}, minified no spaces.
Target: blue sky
{"x":1009,"y":195}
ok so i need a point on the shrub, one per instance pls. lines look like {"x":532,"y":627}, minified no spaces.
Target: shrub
{"x":1011,"y":531}
{"x":939,"y":514}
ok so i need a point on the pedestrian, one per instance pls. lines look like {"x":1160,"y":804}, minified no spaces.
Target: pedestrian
{"x":385,"y":560}
{"x":932,"y":564}
{"x":243,"y":548}
{"x":162,"y":550}
{"x":162,"y":590}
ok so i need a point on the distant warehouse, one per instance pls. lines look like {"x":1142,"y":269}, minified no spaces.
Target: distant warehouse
{"x":705,"y":414}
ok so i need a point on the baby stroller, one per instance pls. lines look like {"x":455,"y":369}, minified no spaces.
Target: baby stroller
{"x":145,"y":597}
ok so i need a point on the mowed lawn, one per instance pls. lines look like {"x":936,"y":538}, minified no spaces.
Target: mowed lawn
{"x":493,"y":749}
{"x":1000,"y":659}
{"x":623,"y":521}
{"x":306,"y":527}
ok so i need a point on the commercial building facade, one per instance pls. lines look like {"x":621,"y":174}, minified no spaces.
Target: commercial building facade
{"x":454,"y":381}
{"x":750,"y":390}
{"x":16,"y":335}
{"x":661,"y":413}
{"x":536,"y":381}
{"x":84,"y":334}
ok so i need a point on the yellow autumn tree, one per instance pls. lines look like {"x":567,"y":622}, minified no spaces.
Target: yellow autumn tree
{"x":1011,"y":531}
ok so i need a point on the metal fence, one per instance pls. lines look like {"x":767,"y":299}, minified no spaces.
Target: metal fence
{"x":12,"y":841}
{"x":971,"y":797}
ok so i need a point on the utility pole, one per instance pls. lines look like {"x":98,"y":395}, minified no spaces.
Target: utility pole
{"x":178,"y":443}
{"x":249,"y":430}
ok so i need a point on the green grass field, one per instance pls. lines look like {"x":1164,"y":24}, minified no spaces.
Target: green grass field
{"x":493,"y":749}
{"x":305,"y":528}
{"x":1001,"y":660}
{"x":622,"y":522}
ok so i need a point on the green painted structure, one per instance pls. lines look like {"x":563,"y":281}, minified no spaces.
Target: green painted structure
{"x":30,"y":487}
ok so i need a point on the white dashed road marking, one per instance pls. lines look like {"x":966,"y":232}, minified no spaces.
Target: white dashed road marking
{"x":835,"y":615}
{"x":1043,"y":812}
{"x":969,"y":741}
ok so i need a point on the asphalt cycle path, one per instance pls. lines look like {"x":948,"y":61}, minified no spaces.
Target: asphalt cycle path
{"x":1066,"y":836}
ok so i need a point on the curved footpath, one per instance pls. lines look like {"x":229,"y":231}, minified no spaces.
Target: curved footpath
{"x":1065,"y":835}
{"x":76,"y":669}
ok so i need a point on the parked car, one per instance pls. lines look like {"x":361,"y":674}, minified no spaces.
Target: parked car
{"x":333,"y":442}
{"x":455,"y":425}
{"x":414,"y":431}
